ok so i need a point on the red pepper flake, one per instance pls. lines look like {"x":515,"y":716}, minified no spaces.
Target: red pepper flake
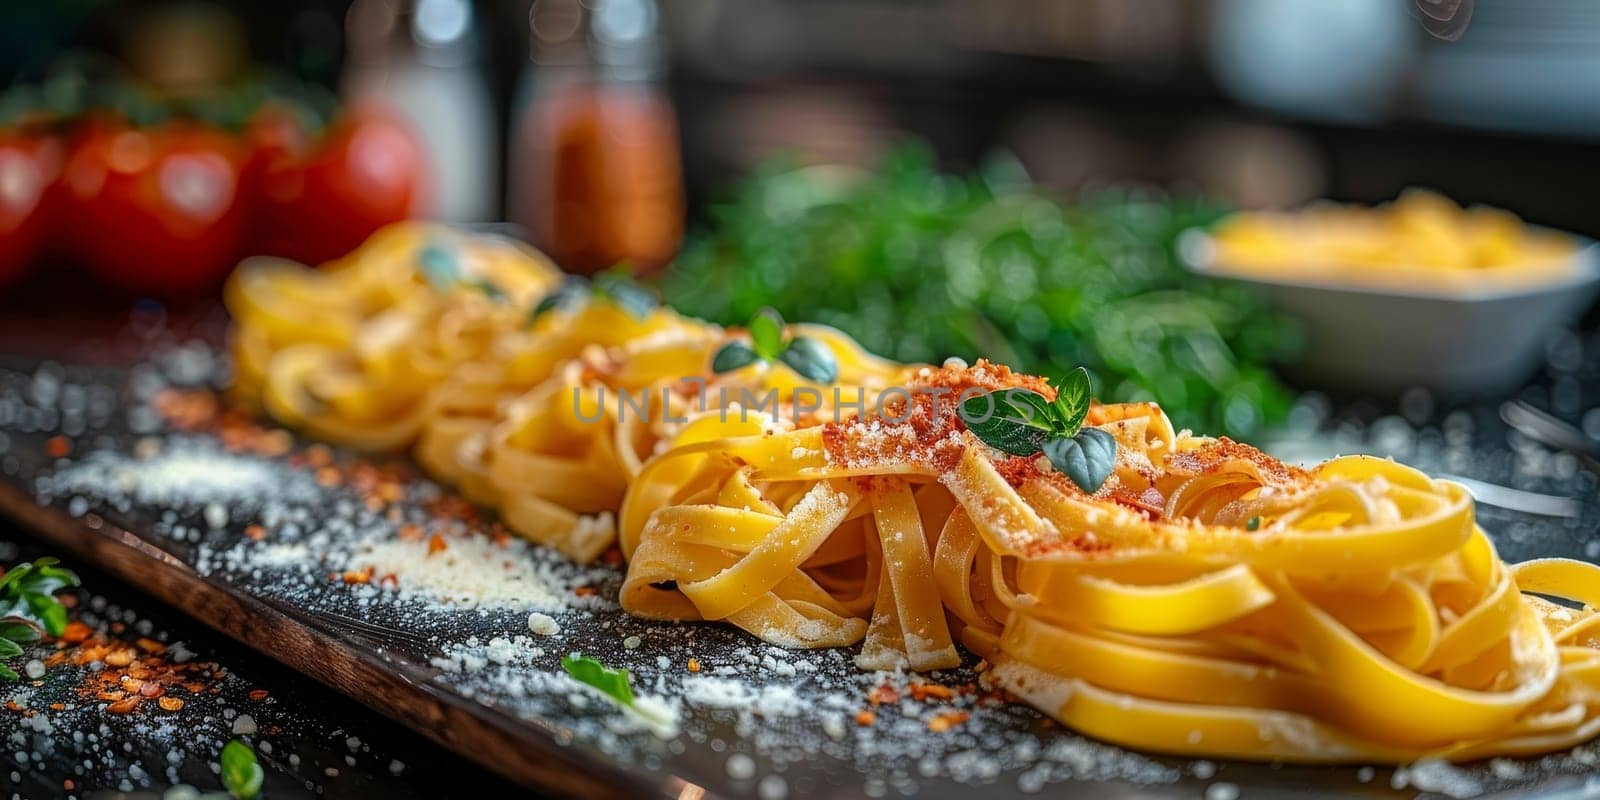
{"x":258,"y":694}
{"x":187,"y":409}
{"x":275,"y":442}
{"x":436,"y":544}
{"x":585,"y":591}
{"x":68,"y":785}
{"x":452,"y":507}
{"x":125,"y":706}
{"x":255,"y":533}
{"x":150,"y":645}
{"x":883,"y":695}
{"x":169,"y":703}
{"x":328,"y":476}
{"x":946,"y":721}
{"x":410,"y":533}
{"x":996,"y":697}
{"x":362,"y":576}
{"x":923,"y":691}
{"x":58,"y":446}
{"x":865,"y":718}
{"x":694,"y":665}
{"x":318,"y":455}
{"x":75,"y":632}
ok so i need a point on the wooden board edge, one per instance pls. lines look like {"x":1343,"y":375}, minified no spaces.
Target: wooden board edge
{"x":492,"y":740}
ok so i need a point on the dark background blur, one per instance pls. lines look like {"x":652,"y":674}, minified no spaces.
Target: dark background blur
{"x":1263,"y":102}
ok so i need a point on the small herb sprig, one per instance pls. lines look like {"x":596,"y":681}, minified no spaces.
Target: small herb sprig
{"x":809,"y":358}
{"x":611,"y":682}
{"x":28,"y":606}
{"x":1022,"y":422}
{"x":241,"y":773}
{"x":442,"y":269}
{"x":613,"y":286}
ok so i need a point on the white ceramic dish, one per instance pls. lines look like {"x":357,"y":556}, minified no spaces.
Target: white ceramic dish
{"x":1386,"y":340}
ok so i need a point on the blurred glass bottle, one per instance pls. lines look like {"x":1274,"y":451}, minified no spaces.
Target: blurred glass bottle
{"x":595,"y":171}
{"x":420,"y":58}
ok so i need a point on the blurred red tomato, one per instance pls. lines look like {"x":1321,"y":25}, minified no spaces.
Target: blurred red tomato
{"x":28,"y":167}
{"x":368,"y":170}
{"x":156,"y":211}
{"x":274,"y":133}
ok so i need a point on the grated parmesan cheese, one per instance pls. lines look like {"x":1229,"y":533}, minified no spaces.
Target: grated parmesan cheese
{"x":471,"y":572}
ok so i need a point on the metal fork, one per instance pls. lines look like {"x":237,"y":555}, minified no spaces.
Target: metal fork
{"x":1551,"y":431}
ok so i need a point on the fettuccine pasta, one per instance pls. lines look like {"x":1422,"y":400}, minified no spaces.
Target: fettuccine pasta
{"x":1206,"y":600}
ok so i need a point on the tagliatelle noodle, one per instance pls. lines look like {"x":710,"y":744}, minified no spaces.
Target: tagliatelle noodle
{"x":1366,"y":618}
{"x":1207,"y":600}
{"x":356,"y":353}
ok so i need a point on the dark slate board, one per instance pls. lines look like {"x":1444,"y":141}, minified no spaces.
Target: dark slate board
{"x":755,"y":721}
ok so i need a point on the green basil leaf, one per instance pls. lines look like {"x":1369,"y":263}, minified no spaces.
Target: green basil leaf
{"x":51,"y":614}
{"x":19,"y":630}
{"x":732,"y":356}
{"x":613,"y":683}
{"x":44,"y":577}
{"x":1030,"y":408}
{"x":9,"y":649}
{"x":571,"y":292}
{"x":241,"y":773}
{"x":996,"y":423}
{"x":631,"y":297}
{"x":1072,"y":400}
{"x":811,"y":359}
{"x":439,"y":266}
{"x":6,"y":673}
{"x":494,"y":292}
{"x":766,"y":333}
{"x":13,"y":575}
{"x":27,"y":594}
{"x":1086,"y":458}
{"x":551,"y":302}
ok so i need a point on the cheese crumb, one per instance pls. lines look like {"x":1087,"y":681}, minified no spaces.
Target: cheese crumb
{"x":543,"y":624}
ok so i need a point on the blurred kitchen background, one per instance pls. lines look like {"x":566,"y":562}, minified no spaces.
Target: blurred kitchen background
{"x":657,"y":132}
{"x":1259,"y":102}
